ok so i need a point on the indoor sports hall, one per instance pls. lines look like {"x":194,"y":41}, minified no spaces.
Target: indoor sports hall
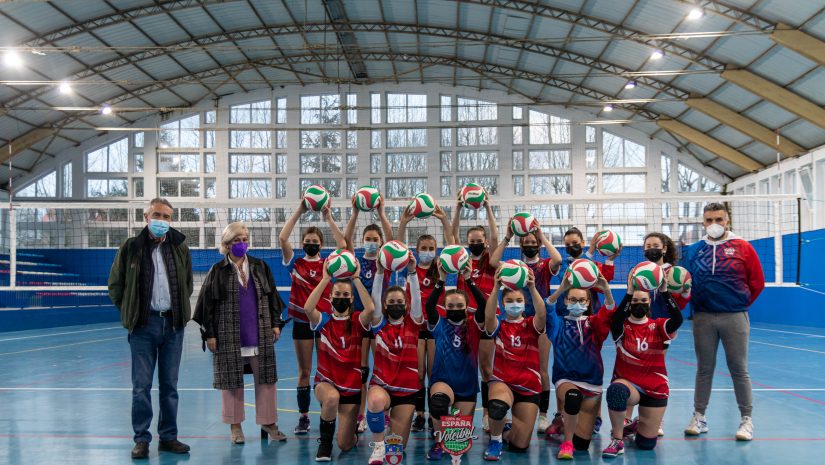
{"x":149,"y":149}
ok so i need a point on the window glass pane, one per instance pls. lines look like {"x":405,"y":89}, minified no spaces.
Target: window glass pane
{"x":375,"y":112}
{"x":210,"y":117}
{"x":169,"y":135}
{"x":280,"y":188}
{"x":250,"y":163}
{"x":190,"y":187}
{"x":119,"y":156}
{"x":209,"y":139}
{"x":352,"y":140}
{"x":446,"y":161}
{"x":209,"y":163}
{"x":590,"y":158}
{"x":325,"y":163}
{"x":405,"y":187}
{"x":352,"y":110}
{"x":550,"y":184}
{"x":67,"y":180}
{"x":477,"y":136}
{"x":446,"y":137}
{"x":375,"y":139}
{"x":665,"y":173}
{"x":249,"y":188}
{"x":45,"y":186}
{"x":517,"y":135}
{"x":589,"y":135}
{"x":559,"y":130}
{"x":539,"y":133}
{"x":634,"y":155}
{"x":281,"y":163}
{"x":446,"y":107}
{"x":549,"y":160}
{"x":139,"y":139}
{"x":138,"y":187}
{"x":375,"y":163}
{"x":518,"y":185}
{"x":321,"y":109}
{"x":138,"y":163}
{"x":239,"y":114}
{"x":210,"y":188}
{"x":352,"y":163}
{"x":476,"y":110}
{"x":280,"y":117}
{"x":406,"y":163}
{"x":403,"y":138}
{"x":352,"y":186}
{"x":396,"y":108}
{"x":518,"y":112}
{"x":477,"y":161}
{"x":333,"y":186}
{"x":490,"y":183}
{"x":623,"y":183}
{"x":250,"y":139}
{"x":591,"y":182}
{"x":446,"y":184}
{"x":518,"y":160}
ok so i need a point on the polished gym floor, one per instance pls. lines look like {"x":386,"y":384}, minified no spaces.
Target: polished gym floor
{"x":65,"y":399}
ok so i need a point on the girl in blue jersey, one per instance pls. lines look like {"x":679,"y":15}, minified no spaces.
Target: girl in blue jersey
{"x":577,"y":362}
{"x":454,"y":378}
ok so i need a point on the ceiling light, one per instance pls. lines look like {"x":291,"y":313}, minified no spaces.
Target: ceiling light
{"x":106,"y":110}
{"x":608,"y":107}
{"x":695,"y":14}
{"x":630,"y":85}
{"x":65,"y":88}
{"x":656,"y":55}
{"x":11,"y":58}
{"x":38,"y":52}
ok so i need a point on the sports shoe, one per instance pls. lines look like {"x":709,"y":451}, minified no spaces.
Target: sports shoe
{"x":597,"y":425}
{"x":745,"y":431}
{"x":435,"y":452}
{"x":630,"y":427}
{"x":303,"y":425}
{"x":417,"y":424}
{"x":661,"y":431}
{"x":493,"y":452}
{"x":615,"y":449}
{"x":485,"y":424}
{"x":543,"y":424}
{"x":698,"y":425}
{"x":566,"y":451}
{"x":324,"y":452}
{"x":362,"y":424}
{"x":556,"y":426}
{"x":378,"y":452}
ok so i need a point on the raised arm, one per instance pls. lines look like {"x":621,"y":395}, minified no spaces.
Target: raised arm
{"x":311,"y":305}
{"x":555,"y":256}
{"x":441,"y":215}
{"x":490,"y":320}
{"x":491,"y":221}
{"x":621,"y":314}
{"x":540,"y":319}
{"x":416,"y":312}
{"x":675,"y":318}
{"x":406,"y":217}
{"x":368,"y":313}
{"x":385,"y":223}
{"x":378,"y":293}
{"x":286,"y":231}
{"x":349,"y":231}
{"x":495,"y":257}
{"x":457,"y":217}
{"x":340,"y":242}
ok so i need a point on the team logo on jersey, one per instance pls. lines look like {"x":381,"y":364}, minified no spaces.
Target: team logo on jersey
{"x":730,"y":251}
{"x":456,"y":435}
{"x":313,"y":273}
{"x":651,"y":326}
{"x":393,"y":449}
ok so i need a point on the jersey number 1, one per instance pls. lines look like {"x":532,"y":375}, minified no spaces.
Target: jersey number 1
{"x":398,"y":343}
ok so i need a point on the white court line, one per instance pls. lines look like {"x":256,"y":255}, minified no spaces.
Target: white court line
{"x":103,"y":389}
{"x":61,"y":334}
{"x":59,"y":346}
{"x":805,"y":288}
{"x":789,"y":332}
{"x":788,"y":347}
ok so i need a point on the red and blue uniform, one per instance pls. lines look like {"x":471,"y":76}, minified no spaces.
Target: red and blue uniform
{"x":640,"y":356}
{"x":456,"y":355}
{"x":482,"y":277}
{"x":608,"y":270}
{"x":305,"y":276}
{"x":543,"y":274}
{"x":577,"y":345}
{"x":658,"y":306}
{"x":369,"y":269}
{"x":339,"y":352}
{"x":396,"y":356}
{"x":516,"y":360}
{"x":425,"y":283}
{"x":727,"y":274}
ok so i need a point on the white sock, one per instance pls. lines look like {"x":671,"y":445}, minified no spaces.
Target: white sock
{"x":379,"y":444}
{"x":495,"y":438}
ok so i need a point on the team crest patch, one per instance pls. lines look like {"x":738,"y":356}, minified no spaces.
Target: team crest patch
{"x":730,"y":251}
{"x":456,"y":435}
{"x":393,"y":449}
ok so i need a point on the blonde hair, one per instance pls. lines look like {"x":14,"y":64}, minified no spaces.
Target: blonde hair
{"x":230,"y":232}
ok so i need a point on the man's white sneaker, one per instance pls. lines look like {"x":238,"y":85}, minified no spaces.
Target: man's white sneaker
{"x":698,"y":425}
{"x":745,"y":431}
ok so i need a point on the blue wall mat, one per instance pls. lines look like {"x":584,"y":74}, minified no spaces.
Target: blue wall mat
{"x":20,"y":320}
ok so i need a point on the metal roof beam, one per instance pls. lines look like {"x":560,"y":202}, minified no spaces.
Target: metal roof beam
{"x":804,"y":44}
{"x":24,"y":142}
{"x":776,"y":94}
{"x":710,"y":144}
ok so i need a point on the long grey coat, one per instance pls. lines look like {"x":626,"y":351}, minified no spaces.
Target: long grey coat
{"x":218,"y":313}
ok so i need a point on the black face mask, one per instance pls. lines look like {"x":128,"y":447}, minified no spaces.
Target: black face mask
{"x":573,"y":250}
{"x":530,"y":251}
{"x":456,"y":316}
{"x":639,"y":311}
{"x":340,"y":304}
{"x":396,"y":311}
{"x":477,"y":249}
{"x":654,"y":255}
{"x":312,"y":249}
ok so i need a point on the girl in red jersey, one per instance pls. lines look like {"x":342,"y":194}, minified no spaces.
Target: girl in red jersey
{"x":516,"y":380}
{"x":482,"y":275}
{"x":394,"y":382}
{"x":305,"y":273}
{"x":427,"y":271}
{"x":639,"y":374}
{"x":338,"y":375}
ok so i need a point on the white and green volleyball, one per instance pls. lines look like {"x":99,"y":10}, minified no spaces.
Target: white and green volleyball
{"x":422,"y":205}
{"x":608,"y":243}
{"x":647,"y":276}
{"x":341,"y":264}
{"x":583,"y":274}
{"x":678,"y":280}
{"x":514,"y":274}
{"x":394,"y":255}
{"x":316,"y":197}
{"x":473,"y":196}
{"x":366,"y":198}
{"x":454,"y":258}
{"x":523,"y":224}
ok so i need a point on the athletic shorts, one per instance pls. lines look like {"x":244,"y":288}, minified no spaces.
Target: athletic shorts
{"x":485,"y":337}
{"x":647,"y":401}
{"x":424,"y":334}
{"x":302,"y":332}
{"x":399,"y":399}
{"x":519,"y":398}
{"x":347,"y":399}
{"x":472,"y":398}
{"x":368,"y":335}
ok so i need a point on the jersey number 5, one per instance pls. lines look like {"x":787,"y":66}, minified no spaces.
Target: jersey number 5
{"x":456,"y":341}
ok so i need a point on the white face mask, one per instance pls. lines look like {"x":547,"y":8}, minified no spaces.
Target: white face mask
{"x":715,"y":231}
{"x":514,"y":309}
{"x":426,"y":257}
{"x":576,"y":309}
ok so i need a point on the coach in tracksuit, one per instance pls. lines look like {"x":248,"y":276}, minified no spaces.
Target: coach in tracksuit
{"x":727,"y":278}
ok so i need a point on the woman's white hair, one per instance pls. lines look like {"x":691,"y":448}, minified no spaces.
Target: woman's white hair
{"x":230,"y":232}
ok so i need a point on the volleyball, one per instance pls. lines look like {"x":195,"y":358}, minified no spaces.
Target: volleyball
{"x":608,"y":243}
{"x":523,"y":224}
{"x":366,"y":198}
{"x":513,"y":274}
{"x":473,"y":196}
{"x":454,"y":258}
{"x":678,"y":280}
{"x":583,"y":274}
{"x":316,"y":197}
{"x":394,"y":255}
{"x":341,"y":264}
{"x":647,"y":276}
{"x":422,"y":205}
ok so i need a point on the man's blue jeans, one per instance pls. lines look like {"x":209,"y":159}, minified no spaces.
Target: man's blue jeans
{"x":156,"y":343}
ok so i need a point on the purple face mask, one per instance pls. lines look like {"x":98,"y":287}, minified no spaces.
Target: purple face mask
{"x":239,"y":249}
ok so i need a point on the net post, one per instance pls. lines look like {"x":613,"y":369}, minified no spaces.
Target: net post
{"x":777,"y":243}
{"x":798,"y":239}
{"x":12,"y":248}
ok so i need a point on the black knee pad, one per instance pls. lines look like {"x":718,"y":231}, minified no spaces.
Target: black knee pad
{"x":439,"y":405}
{"x":573,"y":401}
{"x":617,"y":395}
{"x":645,"y":443}
{"x":516,"y":449}
{"x":580,"y":443}
{"x":497,"y":409}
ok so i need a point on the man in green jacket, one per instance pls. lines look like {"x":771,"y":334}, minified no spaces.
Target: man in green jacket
{"x":150,"y":283}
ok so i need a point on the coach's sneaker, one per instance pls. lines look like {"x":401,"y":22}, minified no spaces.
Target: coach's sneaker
{"x":698,"y":425}
{"x":543,"y":424}
{"x":566,"y":451}
{"x":435,"y":452}
{"x":485,"y":424}
{"x":745,"y":431}
{"x":615,"y":449}
{"x":362,"y":424}
{"x":418,"y":424}
{"x":303,"y":425}
{"x":378,"y":452}
{"x":493,"y":452}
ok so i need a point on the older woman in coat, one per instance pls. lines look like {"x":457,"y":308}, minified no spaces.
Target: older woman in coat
{"x":239,"y":312}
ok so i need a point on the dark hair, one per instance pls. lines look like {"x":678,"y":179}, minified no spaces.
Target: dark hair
{"x":507,"y":290}
{"x":714,"y":207}
{"x":432,"y":271}
{"x":348,"y":326}
{"x":373,"y":227}
{"x":672,"y":255}
{"x":466,"y":301}
{"x":484,"y":260}
{"x":521,"y":239}
{"x":313,"y":230}
{"x":390,"y":290}
{"x":478,"y":228}
{"x":576,"y":231}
